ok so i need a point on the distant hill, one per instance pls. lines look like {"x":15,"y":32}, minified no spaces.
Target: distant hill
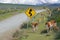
{"x":18,"y":6}
{"x":24,"y":6}
{"x":52,"y":5}
{"x":49,"y":5}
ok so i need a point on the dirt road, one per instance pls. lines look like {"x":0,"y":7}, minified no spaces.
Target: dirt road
{"x":10,"y":25}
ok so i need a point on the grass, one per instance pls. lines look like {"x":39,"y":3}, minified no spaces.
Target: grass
{"x":9,"y":14}
{"x":6,"y":10}
{"x":38,"y":35}
{"x":2,"y":17}
{"x":56,"y":16}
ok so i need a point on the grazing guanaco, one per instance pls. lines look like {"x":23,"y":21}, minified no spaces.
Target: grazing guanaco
{"x":51,"y":25}
{"x":34,"y":26}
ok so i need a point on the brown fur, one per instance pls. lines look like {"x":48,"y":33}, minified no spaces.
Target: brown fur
{"x":34,"y":26}
{"x":53,"y":22}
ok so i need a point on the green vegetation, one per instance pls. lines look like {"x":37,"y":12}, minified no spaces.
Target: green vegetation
{"x":38,"y":35}
{"x":56,"y":16}
{"x":8,"y":10}
{"x":8,"y":13}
